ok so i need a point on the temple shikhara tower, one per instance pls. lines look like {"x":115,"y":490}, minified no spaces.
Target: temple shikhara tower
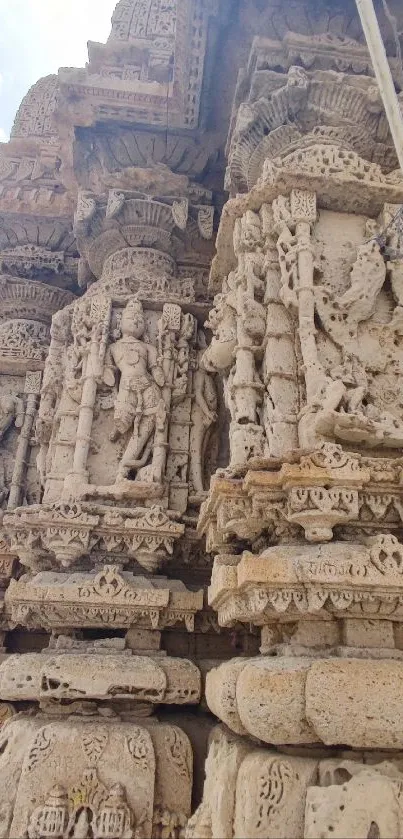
{"x":201,"y":432}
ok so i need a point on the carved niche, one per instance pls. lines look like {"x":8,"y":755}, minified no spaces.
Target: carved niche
{"x":96,"y":778}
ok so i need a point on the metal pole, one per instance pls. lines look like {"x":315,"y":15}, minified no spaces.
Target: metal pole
{"x":382,"y":73}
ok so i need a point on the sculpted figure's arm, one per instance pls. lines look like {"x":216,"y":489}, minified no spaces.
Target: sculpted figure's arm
{"x":11,"y":411}
{"x":154,"y":366}
{"x":108,"y":376}
{"x":209,"y":416}
{"x":19,"y":412}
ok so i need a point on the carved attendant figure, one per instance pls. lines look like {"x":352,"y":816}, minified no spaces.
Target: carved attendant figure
{"x":11,"y":411}
{"x":138,"y":401}
{"x":203,"y":415}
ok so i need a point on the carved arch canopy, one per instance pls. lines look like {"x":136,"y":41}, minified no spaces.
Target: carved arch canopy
{"x":302,"y":110}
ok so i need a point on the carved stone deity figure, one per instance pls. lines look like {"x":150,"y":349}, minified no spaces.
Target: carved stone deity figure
{"x":204,"y":415}
{"x":138,"y":402}
{"x":11,"y":412}
{"x":52,"y":388}
{"x":343,"y":389}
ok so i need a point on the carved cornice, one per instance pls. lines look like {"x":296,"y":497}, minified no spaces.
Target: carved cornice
{"x":31,"y":300}
{"x":324,"y":51}
{"x":36,"y":246}
{"x":27,"y":308}
{"x":109,"y":598}
{"x":143,"y":157}
{"x":132,"y":243}
{"x":284,"y":113}
{"x":317,"y":492}
{"x":41,"y":535}
{"x":342,"y":579}
{"x":30,"y":178}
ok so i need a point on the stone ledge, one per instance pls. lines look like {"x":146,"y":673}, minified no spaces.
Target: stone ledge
{"x":281,"y":701}
{"x":71,"y":676}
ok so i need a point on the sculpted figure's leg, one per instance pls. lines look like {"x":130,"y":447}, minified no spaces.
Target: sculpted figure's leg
{"x":135,"y":447}
{"x":355,"y":399}
{"x":196,"y":440}
{"x":199,"y":438}
{"x":333,"y":396}
{"x":124,"y":413}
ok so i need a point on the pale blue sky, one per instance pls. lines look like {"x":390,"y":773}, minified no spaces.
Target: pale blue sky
{"x":39,"y":36}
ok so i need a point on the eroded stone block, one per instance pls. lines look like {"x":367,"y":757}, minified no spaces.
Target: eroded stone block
{"x":270,"y":696}
{"x":270,"y":795}
{"x":366,"y":805}
{"x":300,"y":700}
{"x":68,"y":676}
{"x":356,"y":702}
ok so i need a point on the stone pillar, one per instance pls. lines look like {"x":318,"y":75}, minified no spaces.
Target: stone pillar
{"x":305,"y":534}
{"x":123,"y":420}
{"x":280,"y":407}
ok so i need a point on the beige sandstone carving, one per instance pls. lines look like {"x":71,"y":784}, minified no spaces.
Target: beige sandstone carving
{"x":80,"y":794}
{"x":138,"y":401}
{"x":203,"y":417}
{"x":201,"y":479}
{"x":69,"y":676}
{"x":274,"y":794}
{"x":300,"y":700}
{"x":111,"y":597}
{"x":304,"y":520}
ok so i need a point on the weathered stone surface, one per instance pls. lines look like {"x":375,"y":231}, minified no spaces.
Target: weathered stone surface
{"x":367,"y":804}
{"x":14,"y":740}
{"x":94,"y":771}
{"x":250,"y":791}
{"x":256,"y":792}
{"x":221,"y":693}
{"x":215,"y":816}
{"x":39,"y":676}
{"x":356,"y":702}
{"x":271,"y":700}
{"x":134,"y":404}
{"x":301,"y":700}
{"x":270,"y":795}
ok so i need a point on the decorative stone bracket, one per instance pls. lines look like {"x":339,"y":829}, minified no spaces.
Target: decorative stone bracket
{"x":110,"y":598}
{"x":321,"y":490}
{"x":39,"y":535}
{"x":341,"y":579}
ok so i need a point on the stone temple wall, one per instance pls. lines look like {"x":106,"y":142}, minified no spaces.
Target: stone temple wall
{"x":201,"y":433}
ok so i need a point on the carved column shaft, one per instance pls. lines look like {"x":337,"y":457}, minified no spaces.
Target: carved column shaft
{"x":100,"y":312}
{"x":32,"y":390}
{"x":280,"y":360}
{"x":303,"y":212}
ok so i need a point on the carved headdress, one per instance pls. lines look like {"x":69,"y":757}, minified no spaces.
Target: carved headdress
{"x":132,"y":311}
{"x":133,"y":307}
